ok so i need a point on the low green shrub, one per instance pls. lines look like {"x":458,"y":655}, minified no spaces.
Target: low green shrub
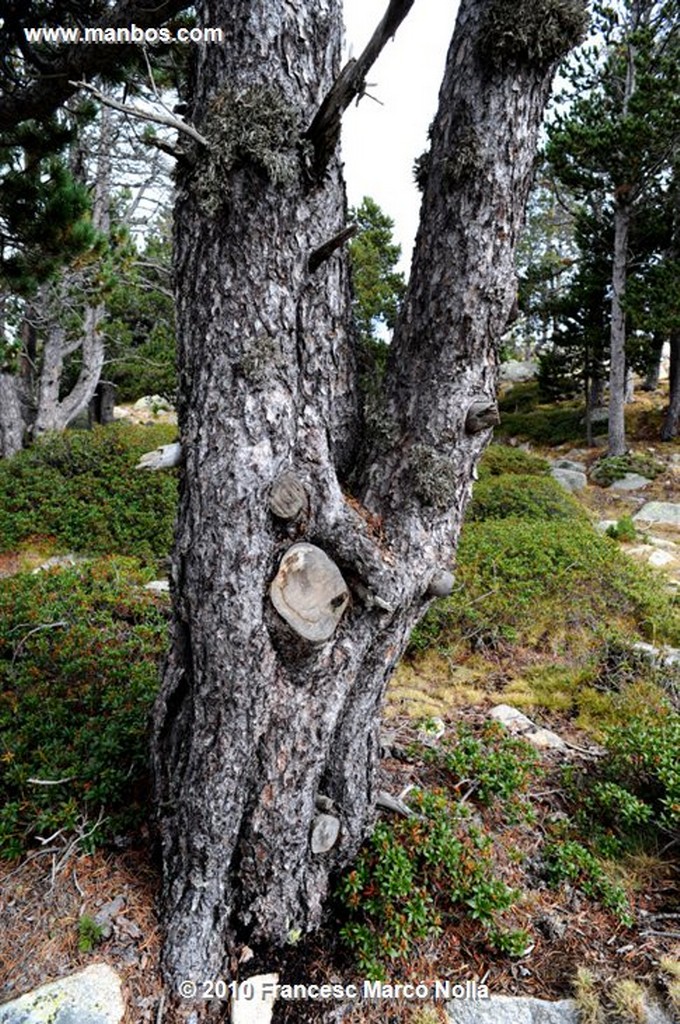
{"x":615,"y":467}
{"x":418,"y":873}
{"x":79,"y":656}
{"x":634,"y":793}
{"x":499,"y":459}
{"x":81,"y":488}
{"x":547,"y":425}
{"x":500,"y":766}
{"x":623,"y":530}
{"x":522,"y":496}
{"x":567,"y":860}
{"x":517,"y":579}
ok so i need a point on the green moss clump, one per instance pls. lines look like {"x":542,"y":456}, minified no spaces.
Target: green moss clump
{"x":81,"y":489}
{"x":535,"y":32}
{"x":606,"y":471}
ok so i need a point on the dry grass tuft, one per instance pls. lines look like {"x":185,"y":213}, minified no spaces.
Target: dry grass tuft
{"x":587,"y":998}
{"x":628,"y":999}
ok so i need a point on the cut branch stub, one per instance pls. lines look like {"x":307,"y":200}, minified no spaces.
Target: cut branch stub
{"x":482,"y":415}
{"x":287,"y":498}
{"x":309,"y":592}
{"x":325,"y":832}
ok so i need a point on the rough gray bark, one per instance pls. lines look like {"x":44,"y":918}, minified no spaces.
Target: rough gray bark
{"x":671,"y":424}
{"x":11,"y":418}
{"x":617,"y":351}
{"x":253,"y":724}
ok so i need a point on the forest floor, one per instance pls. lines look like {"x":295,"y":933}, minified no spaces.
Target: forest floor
{"x":45,"y":897}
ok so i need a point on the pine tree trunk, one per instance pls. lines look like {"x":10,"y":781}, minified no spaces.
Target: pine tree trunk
{"x":11,"y":419}
{"x":617,"y":364}
{"x":671,"y":425}
{"x":258,"y":731}
{"x":653,"y":369}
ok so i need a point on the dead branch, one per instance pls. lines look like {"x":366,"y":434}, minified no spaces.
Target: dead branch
{"x":324,"y":130}
{"x":144,"y":115}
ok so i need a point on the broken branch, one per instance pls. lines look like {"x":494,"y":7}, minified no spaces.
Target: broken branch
{"x":324,"y":130}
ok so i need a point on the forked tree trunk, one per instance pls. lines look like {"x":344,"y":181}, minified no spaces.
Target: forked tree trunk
{"x":257,"y":730}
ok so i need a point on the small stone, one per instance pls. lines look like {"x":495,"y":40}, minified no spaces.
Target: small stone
{"x":441,"y":584}
{"x":659,"y":512}
{"x":571,"y":464}
{"x":606,"y":524}
{"x":325,"y":832}
{"x":254,"y":1002}
{"x":158,"y":586}
{"x":631,"y":482}
{"x":512,"y":1010}
{"x":660,"y":558}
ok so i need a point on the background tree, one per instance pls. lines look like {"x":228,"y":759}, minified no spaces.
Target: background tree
{"x":617,"y":141}
{"x":56,"y":251}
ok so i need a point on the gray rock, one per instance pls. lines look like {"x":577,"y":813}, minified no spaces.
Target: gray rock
{"x":572,"y":464}
{"x":605,"y":524}
{"x":659,"y":512}
{"x":570,"y":479}
{"x":665,"y":657}
{"x":309,"y":592}
{"x":93,"y":996}
{"x":156,"y":402}
{"x":158,"y":586}
{"x":630,"y":482}
{"x":59,"y":562}
{"x":512,"y":1010}
{"x":254,"y":1003}
{"x":519,"y":725}
{"x":597,"y":416}
{"x":515,"y":371}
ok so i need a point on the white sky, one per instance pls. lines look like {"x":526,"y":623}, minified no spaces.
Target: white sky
{"x":380,"y":143}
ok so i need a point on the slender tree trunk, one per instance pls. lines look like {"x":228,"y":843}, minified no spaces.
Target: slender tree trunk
{"x":617,"y":359}
{"x":629,"y":387}
{"x":653,"y":369}
{"x":671,"y":425}
{"x":11,"y":418}
{"x":257,"y":731}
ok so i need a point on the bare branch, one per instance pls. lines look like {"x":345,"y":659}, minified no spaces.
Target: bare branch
{"x":144,"y":115}
{"x":325,"y":128}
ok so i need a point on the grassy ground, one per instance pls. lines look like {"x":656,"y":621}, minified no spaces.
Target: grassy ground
{"x":570,"y":857}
